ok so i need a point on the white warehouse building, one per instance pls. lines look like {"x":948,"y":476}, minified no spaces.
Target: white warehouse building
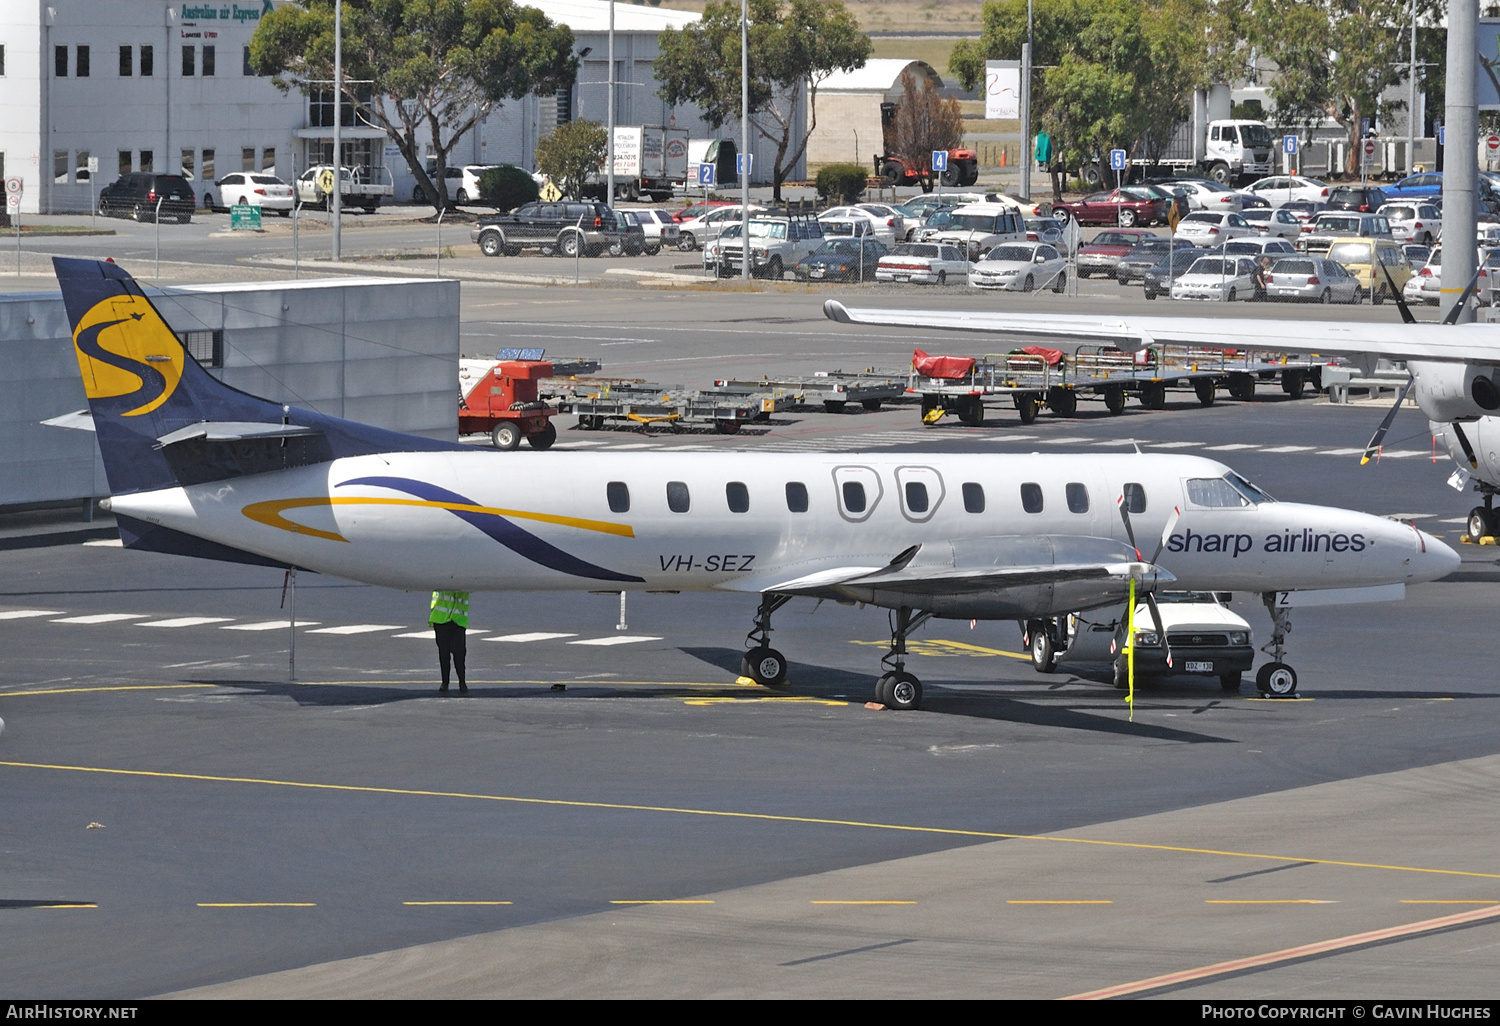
{"x":165,"y":86}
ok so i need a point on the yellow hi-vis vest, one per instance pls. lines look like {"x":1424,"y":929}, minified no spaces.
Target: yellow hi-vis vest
{"x":450,"y":605}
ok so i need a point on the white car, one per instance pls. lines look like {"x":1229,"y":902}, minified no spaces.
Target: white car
{"x":1208,"y":229}
{"x":928,"y":263}
{"x":252,"y":188}
{"x":1280,"y":190}
{"x":1426,"y":283}
{"x":981,"y":227}
{"x":894,"y":219}
{"x":697,"y":232}
{"x":1020,"y":267}
{"x":1205,"y":195}
{"x":1272,"y":247}
{"x":658,"y":225}
{"x":1217,"y":278}
{"x":727,"y":233}
{"x":1413,"y":221}
{"x":462,"y":183}
{"x":883,"y":228}
{"x":1273,"y":221}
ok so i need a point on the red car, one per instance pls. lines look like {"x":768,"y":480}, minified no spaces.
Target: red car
{"x":1103,"y":254}
{"x":1124,"y":207}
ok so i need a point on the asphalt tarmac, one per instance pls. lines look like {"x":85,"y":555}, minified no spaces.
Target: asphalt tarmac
{"x":180,"y":816}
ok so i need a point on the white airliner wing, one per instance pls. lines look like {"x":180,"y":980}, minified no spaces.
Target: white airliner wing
{"x":1459,"y":343}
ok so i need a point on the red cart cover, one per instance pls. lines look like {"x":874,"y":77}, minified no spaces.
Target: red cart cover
{"x":942,"y":366}
{"x":1052,"y":356}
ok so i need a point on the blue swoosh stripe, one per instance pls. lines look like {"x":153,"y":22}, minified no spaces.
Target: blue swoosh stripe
{"x":152,"y":381}
{"x":519,"y":541}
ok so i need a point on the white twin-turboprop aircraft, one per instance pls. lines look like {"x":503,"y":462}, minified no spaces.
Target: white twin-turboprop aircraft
{"x":198,"y":468}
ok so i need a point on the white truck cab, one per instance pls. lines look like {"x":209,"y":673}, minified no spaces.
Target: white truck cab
{"x":1237,"y":149}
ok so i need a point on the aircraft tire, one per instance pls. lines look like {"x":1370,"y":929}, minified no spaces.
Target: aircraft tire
{"x":765,"y":666}
{"x":1277,"y":679}
{"x":506,"y":435}
{"x":903,"y":692}
{"x":1482,"y":522}
{"x":1043,"y":655}
{"x":543,"y":439}
{"x":883,"y":689}
{"x":1120,"y":674}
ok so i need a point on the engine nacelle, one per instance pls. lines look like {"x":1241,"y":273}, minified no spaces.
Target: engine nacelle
{"x":1484,"y":438}
{"x":1455,"y":391}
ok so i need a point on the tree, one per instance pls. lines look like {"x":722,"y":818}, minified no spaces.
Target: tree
{"x":571,"y":153}
{"x":426,"y":69}
{"x":925,"y":122}
{"x":794,"y":46}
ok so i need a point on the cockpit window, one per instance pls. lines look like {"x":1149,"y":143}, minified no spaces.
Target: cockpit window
{"x":1229,"y":491}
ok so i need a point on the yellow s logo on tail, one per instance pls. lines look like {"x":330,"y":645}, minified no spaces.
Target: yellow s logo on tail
{"x":125,"y":350}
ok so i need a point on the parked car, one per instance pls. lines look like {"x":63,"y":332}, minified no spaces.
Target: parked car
{"x":696,"y":232}
{"x":568,"y":228}
{"x":928,"y":263}
{"x":1416,"y":254}
{"x":1159,"y":280}
{"x":1209,"y":228}
{"x":633,"y":238}
{"x":1206,"y":638}
{"x":1103,"y":253}
{"x":1319,"y":233}
{"x":776,"y":243}
{"x":731,"y":233}
{"x":1280,"y":190}
{"x":1257,"y":247}
{"x":894,"y":218}
{"x":1359,"y":256}
{"x":1310,"y":279}
{"x":1424,"y":185}
{"x":1273,"y":221}
{"x":853,"y":259}
{"x":1124,"y":207}
{"x":1217,"y":278}
{"x":1304,"y":210}
{"x":360,"y":188}
{"x":462,"y":183}
{"x":693,"y":210}
{"x":1046,"y":229}
{"x":1413,"y":222}
{"x":883,"y":228}
{"x":1208,"y":195}
{"x":251,"y":188}
{"x":1150,"y":251}
{"x":1364,"y":198}
{"x":139,"y":194}
{"x":980,"y":227}
{"x":1020,"y":267}
{"x":1426,"y":285}
{"x":659,"y":227}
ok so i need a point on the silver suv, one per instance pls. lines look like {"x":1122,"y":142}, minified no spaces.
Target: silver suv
{"x":1320,"y":233}
{"x":776,"y":244}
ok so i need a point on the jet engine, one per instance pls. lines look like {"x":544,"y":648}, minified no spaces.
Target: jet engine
{"x":1456,"y":391}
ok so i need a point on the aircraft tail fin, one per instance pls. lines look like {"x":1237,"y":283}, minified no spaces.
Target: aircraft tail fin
{"x":163,"y":421}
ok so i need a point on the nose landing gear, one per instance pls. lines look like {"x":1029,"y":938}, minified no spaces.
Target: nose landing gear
{"x":1276,"y":677}
{"x":762,"y":663}
{"x":897,"y":689}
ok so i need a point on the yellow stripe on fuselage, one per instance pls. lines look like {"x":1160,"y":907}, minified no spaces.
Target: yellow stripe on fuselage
{"x":270,"y":514}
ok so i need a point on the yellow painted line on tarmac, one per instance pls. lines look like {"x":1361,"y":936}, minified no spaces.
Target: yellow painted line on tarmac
{"x":663,"y":901}
{"x":940,"y":647}
{"x":257,"y":904}
{"x":764,"y":817}
{"x":420,"y":684}
{"x":1055,"y":902}
{"x":1269,"y":901}
{"x":1287,"y":954}
{"x":833,"y":902}
{"x":457,"y":903}
{"x":67,"y":904}
{"x":128,"y":687}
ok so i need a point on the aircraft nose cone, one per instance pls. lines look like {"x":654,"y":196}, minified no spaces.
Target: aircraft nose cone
{"x":1434,"y":559}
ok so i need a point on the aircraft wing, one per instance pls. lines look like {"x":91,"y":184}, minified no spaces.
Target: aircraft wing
{"x":1458,"y":343}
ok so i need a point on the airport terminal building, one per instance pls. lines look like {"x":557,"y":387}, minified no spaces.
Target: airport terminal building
{"x":166,"y":86}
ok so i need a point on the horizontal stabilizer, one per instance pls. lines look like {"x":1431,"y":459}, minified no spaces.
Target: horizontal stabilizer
{"x":78,"y":420}
{"x":233,"y":431}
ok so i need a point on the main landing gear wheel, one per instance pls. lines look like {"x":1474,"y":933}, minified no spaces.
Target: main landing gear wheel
{"x":897,"y":689}
{"x":1276,"y":679}
{"x":506,"y":435}
{"x":1482,"y":523}
{"x":1043,"y":652}
{"x":765,"y":666}
{"x":1120,"y":674}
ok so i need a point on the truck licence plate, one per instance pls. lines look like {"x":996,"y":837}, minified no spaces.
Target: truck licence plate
{"x":1199,"y":667}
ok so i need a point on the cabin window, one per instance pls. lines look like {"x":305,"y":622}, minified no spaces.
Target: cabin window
{"x":916,"y":496}
{"x":796,"y":496}
{"x":1078,"y":497}
{"x":738,"y":497}
{"x":854,"y":497}
{"x":618,"y":493}
{"x":1031,"y":497}
{"x":1135,"y":498}
{"x":973,"y":497}
{"x":678,"y":500}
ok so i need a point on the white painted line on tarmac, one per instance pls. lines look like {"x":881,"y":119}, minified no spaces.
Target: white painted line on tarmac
{"x":186,"y":621}
{"x":358,"y":628}
{"x":1070,"y":440}
{"x":1340,"y":452}
{"x":102,"y":618}
{"x":615,"y":639}
{"x":638,"y":445}
{"x":533,"y":636}
{"x":429,"y":636}
{"x":21,"y":614}
{"x":1290,"y":448}
{"x":1173,"y":445}
{"x":1232,"y":446}
{"x":1402,"y":454}
{"x":269,"y":625}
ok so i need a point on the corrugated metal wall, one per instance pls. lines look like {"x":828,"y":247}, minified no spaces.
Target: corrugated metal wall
{"x":373,"y":350}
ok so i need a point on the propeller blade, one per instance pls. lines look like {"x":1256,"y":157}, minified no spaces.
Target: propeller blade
{"x":1406,"y":314}
{"x":1463,"y":300}
{"x":1166,"y":532}
{"x":1129,"y":530}
{"x":1161,"y":631}
{"x":1463,"y":440}
{"x":1385,"y":425}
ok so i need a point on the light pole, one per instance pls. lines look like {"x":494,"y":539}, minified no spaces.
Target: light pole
{"x":745,"y":140}
{"x":1411,"y":101}
{"x":1026,"y":109}
{"x":609,"y":157}
{"x":336,"y":205}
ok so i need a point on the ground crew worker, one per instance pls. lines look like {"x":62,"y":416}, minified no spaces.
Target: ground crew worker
{"x":450,"y":620}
